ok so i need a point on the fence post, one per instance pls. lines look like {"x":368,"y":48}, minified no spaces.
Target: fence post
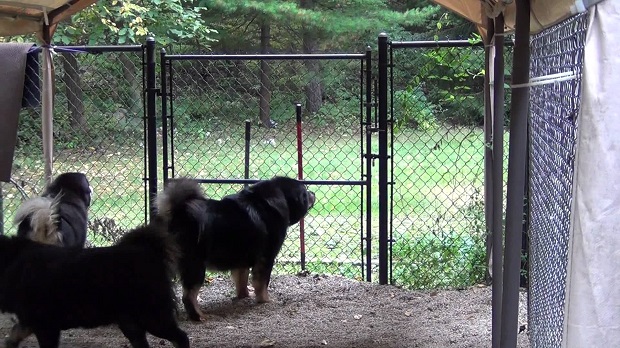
{"x":1,"y":210}
{"x":151,"y":129}
{"x":383,"y":158}
{"x":369,"y":159}
{"x":164,"y":112}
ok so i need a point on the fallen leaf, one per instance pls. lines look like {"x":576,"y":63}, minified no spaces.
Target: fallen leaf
{"x":267,"y":343}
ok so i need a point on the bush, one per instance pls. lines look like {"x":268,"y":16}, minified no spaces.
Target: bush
{"x":414,"y":110}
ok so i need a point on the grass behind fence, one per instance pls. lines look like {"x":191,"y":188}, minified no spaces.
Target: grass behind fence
{"x":421,"y":253}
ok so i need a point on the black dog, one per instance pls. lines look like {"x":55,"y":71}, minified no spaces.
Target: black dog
{"x":51,"y":288}
{"x":241,"y":231}
{"x":60,"y":215}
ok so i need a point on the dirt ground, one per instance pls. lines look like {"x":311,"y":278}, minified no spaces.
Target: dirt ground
{"x":324,"y":311}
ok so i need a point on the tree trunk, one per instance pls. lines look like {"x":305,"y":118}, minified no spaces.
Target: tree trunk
{"x":265,"y":77}
{"x":314,"y":88}
{"x":75,"y":97}
{"x":134,"y":102}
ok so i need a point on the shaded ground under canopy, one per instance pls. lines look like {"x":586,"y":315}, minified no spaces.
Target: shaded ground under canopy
{"x":324,"y":311}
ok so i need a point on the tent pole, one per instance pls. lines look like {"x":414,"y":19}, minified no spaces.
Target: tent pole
{"x":516,"y":175}
{"x":47,"y":128}
{"x":497,"y":173}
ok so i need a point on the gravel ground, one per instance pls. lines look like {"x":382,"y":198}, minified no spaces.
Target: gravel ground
{"x":325,"y":311}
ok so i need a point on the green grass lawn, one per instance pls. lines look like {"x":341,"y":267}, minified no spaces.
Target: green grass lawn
{"x":437,"y":194}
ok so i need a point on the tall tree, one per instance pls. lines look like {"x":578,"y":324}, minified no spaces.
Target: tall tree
{"x":265,"y":76}
{"x":309,"y":26}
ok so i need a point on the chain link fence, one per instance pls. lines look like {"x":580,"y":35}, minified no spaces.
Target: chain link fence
{"x":232,"y":118}
{"x":98,"y":130}
{"x":554,"y":109}
{"x":438,"y":219}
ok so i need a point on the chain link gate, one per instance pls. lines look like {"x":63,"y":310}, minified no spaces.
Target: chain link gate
{"x":434,"y":162}
{"x":230,"y":120}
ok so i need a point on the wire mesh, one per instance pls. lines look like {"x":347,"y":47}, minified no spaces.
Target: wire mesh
{"x":213,"y":98}
{"x":554,"y":110}
{"x":438,"y":225}
{"x":98,"y":130}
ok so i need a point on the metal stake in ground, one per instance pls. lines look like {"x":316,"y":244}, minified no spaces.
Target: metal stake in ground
{"x":300,"y":176}
{"x":246,"y":172}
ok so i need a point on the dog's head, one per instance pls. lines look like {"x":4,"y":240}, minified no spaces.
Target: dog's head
{"x":298,"y":198}
{"x":73,"y":183}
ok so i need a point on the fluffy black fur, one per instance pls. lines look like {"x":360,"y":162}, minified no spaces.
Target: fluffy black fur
{"x":51,"y":288}
{"x":241,"y":231}
{"x":60,"y":215}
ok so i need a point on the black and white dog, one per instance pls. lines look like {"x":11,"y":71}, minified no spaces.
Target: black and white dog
{"x":60,"y":215}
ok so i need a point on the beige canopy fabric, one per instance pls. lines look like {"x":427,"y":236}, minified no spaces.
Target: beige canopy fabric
{"x":31,"y":16}
{"x":544,"y":13}
{"x":19,"y":17}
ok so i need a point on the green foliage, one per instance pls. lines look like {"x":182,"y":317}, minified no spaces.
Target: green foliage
{"x":130,"y":22}
{"x":431,"y":262}
{"x":456,"y":84}
{"x":443,"y":259}
{"x":413,"y":110}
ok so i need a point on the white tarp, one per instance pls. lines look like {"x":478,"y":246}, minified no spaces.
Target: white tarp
{"x":592,"y":316}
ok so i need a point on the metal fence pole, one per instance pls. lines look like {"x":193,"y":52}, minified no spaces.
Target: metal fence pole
{"x":164,"y":112}
{"x":151,"y":125}
{"x":300,"y":176}
{"x":383,"y":158}
{"x":1,"y":211}
{"x":369,"y":159}
{"x":498,"y":180}
{"x":516,"y":175}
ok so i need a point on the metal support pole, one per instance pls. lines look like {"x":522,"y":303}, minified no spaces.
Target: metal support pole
{"x":300,"y":176}
{"x":369,"y":159}
{"x":498,"y":180}
{"x":164,"y":112}
{"x":246,"y":164}
{"x":151,"y":125}
{"x":516,"y":175}
{"x":1,"y":210}
{"x":383,"y":158}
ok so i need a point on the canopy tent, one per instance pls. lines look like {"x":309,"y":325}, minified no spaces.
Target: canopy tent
{"x":543,"y":13}
{"x":591,"y":303}
{"x":19,"y":17}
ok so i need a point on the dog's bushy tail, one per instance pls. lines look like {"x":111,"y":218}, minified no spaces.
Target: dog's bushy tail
{"x":37,"y":219}
{"x":183,"y":196}
{"x":157,"y":240}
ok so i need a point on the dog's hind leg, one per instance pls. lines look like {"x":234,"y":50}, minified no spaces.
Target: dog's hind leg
{"x":192,"y":277}
{"x":240,"y":278}
{"x":135,"y":334}
{"x":48,"y":338}
{"x":17,"y":335}
{"x":261,"y":274}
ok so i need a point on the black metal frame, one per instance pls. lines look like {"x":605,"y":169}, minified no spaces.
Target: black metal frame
{"x":367,"y":127}
{"x":386,"y":151}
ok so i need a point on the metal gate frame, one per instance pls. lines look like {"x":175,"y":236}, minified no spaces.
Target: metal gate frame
{"x":386,"y":149}
{"x":367,"y":127}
